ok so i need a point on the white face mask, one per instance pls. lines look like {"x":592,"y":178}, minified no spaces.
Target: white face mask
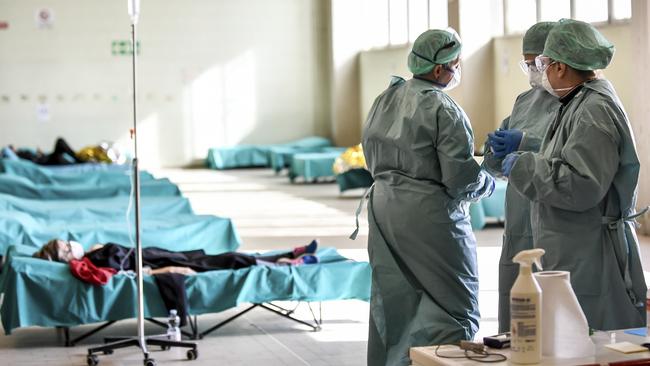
{"x":535,"y":78}
{"x":454,"y":81}
{"x":77,"y":250}
{"x":549,"y":88}
{"x":547,"y":85}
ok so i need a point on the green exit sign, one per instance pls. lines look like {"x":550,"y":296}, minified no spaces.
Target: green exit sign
{"x":122,"y":47}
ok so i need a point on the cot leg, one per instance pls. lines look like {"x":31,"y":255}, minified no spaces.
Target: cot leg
{"x":210,"y":330}
{"x":71,"y":342}
{"x":287,"y":314}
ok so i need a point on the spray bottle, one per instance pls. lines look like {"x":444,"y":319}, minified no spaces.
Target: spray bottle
{"x":526,"y":310}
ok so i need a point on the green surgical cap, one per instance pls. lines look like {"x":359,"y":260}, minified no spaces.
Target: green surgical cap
{"x":535,"y":38}
{"x":431,"y":48}
{"x":578,"y":45}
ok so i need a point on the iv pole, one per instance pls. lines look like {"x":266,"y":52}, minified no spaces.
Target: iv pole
{"x":141,"y":340}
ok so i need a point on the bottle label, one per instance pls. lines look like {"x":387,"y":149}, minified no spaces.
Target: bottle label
{"x":523,"y":324}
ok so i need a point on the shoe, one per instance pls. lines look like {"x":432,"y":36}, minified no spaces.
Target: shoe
{"x":304,"y":259}
{"x":307,"y":249}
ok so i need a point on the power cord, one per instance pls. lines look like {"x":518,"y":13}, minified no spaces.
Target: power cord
{"x":473,"y":351}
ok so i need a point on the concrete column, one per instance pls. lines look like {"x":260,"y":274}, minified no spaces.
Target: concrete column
{"x":346,"y":43}
{"x":640,"y":112}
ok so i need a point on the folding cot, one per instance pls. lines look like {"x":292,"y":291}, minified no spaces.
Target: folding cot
{"x":171,"y":233}
{"x":42,"y":175}
{"x":95,"y":209}
{"x":354,"y":178}
{"x":29,"y":298}
{"x":311,"y":166}
{"x":282,"y":157}
{"x":23,"y":187}
{"x":246,"y":156}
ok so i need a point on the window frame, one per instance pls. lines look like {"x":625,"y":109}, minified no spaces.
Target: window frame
{"x":388,"y":44}
{"x":572,"y":6}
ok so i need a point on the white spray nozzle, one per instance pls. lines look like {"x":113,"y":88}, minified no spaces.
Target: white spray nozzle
{"x":134,"y":10}
{"x":528,"y":257}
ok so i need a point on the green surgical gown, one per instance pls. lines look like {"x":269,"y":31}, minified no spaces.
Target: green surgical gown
{"x":583,"y":187}
{"x":532,"y":113}
{"x":418,"y":145}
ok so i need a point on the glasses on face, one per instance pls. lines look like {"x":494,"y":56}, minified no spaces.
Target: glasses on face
{"x":543,"y":62}
{"x":527,"y":66}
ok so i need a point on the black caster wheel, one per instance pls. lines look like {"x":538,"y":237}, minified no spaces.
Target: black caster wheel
{"x":92,"y":360}
{"x":108,"y":352}
{"x":192,"y":354}
{"x":150,"y":362}
{"x":165,"y":348}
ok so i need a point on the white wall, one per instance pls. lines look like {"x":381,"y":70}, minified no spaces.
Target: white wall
{"x":475,"y":93}
{"x":377,"y":67}
{"x":346,"y":43}
{"x":211,"y":72}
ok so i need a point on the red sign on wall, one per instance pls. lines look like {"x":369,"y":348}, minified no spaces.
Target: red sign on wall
{"x":4,"y":25}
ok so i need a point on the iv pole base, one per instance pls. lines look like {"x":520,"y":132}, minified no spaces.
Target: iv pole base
{"x":161,"y":341}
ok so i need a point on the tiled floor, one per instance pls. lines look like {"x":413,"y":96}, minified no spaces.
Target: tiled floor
{"x":269,"y":213}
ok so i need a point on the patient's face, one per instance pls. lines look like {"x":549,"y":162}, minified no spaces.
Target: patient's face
{"x":69,"y":250}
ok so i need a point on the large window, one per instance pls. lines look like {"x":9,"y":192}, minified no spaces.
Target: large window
{"x":521,"y":14}
{"x":397,"y":22}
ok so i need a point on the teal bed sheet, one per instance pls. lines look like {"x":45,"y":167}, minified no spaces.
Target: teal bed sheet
{"x":94,"y":209}
{"x":87,"y":167}
{"x":246,"y":156}
{"x":493,"y":206}
{"x":181,"y":232}
{"x":23,"y":187}
{"x":37,"y":174}
{"x":312,"y":166}
{"x":29,"y":298}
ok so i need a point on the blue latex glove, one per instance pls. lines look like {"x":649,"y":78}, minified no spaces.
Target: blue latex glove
{"x":508,"y":163}
{"x":504,"y":142}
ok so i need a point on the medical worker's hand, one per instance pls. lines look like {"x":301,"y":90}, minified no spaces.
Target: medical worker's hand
{"x":503,"y":142}
{"x":508,"y":163}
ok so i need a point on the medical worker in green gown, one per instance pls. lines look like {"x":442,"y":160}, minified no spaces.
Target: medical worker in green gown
{"x":523,"y":130}
{"x":583,"y":181}
{"x":418,"y":145}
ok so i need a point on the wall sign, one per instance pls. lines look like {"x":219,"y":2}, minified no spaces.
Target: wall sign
{"x":122,"y":48}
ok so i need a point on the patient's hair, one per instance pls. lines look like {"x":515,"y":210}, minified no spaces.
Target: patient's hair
{"x":49,"y":251}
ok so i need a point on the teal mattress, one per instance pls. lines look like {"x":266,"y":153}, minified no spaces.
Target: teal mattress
{"x":40,"y":175}
{"x":311,"y":166}
{"x":29,"y":298}
{"x":23,"y":187}
{"x":247,"y":156}
{"x":181,"y":232}
{"x":493,"y":206}
{"x":95,"y":209}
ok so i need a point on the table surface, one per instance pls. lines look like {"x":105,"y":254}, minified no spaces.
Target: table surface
{"x":425,"y":356}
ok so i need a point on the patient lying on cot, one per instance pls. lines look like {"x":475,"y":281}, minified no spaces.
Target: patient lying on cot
{"x":157,"y":261}
{"x":63,"y":154}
